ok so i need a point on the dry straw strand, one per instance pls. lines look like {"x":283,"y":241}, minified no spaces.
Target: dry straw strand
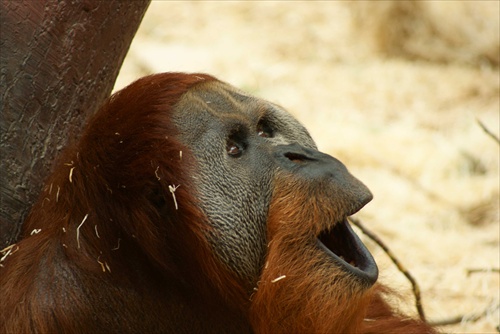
{"x":78,"y":230}
{"x":172,"y":189}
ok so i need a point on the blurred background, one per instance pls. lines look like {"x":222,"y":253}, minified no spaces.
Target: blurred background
{"x":395,"y":90}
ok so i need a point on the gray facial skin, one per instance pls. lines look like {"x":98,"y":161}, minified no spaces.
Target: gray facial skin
{"x":233,"y":137}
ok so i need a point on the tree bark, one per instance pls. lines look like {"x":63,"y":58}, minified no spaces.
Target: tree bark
{"x":59,"y":61}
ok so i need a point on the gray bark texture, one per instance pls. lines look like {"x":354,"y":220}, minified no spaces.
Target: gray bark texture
{"x":58,"y":62}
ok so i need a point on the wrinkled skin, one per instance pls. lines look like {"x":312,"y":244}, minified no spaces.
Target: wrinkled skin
{"x":235,"y":190}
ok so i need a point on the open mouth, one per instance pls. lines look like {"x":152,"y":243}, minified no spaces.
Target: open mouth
{"x":347,"y":250}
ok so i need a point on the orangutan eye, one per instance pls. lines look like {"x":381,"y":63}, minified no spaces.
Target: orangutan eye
{"x":264,"y":130}
{"x":233,"y":149}
{"x":237,"y":142}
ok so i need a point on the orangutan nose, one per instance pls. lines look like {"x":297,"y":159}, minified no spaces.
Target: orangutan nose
{"x":325,"y":170}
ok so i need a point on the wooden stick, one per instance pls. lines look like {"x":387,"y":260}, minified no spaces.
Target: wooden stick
{"x":487,"y":131}
{"x":402,"y":269}
{"x":482,"y":270}
{"x":459,"y":318}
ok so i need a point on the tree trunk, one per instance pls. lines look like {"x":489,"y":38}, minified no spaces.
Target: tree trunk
{"x":59,"y":61}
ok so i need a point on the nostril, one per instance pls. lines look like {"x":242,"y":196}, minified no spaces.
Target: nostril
{"x":297,"y":157}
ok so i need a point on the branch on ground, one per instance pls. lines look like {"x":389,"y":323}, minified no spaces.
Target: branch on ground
{"x":487,"y":131}
{"x":397,"y":263}
{"x":416,"y":289}
{"x":465,"y":317}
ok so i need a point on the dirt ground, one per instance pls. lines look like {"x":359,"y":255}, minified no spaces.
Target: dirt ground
{"x":394,"y":90}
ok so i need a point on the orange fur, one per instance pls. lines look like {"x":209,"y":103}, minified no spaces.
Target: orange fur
{"x":312,"y":295}
{"x":115,"y":251}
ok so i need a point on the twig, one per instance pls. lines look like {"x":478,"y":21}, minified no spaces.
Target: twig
{"x":487,"y":131}
{"x":482,"y":270}
{"x":466,"y":317}
{"x":402,"y":269}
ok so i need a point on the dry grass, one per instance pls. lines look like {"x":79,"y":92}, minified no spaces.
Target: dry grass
{"x":392,"y":89}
